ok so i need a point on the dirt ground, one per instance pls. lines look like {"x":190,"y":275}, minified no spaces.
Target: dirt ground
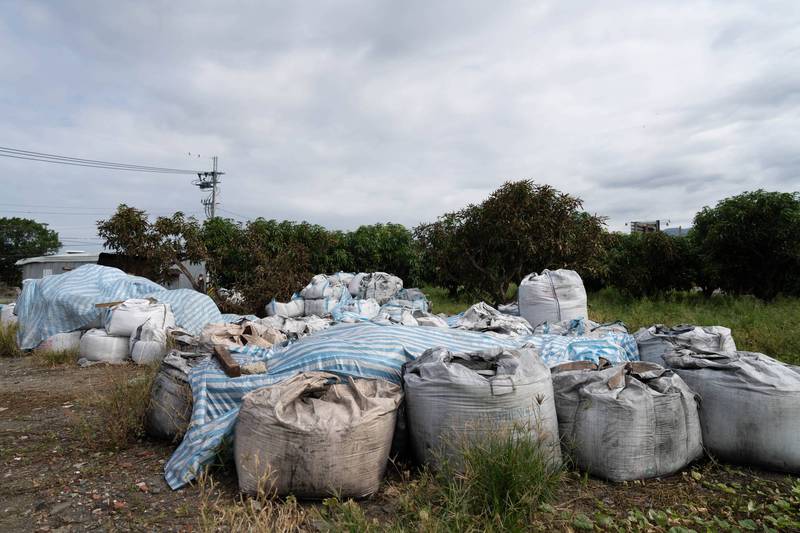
{"x":53,"y":479}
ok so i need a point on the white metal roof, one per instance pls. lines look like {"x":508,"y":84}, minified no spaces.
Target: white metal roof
{"x":68,"y":257}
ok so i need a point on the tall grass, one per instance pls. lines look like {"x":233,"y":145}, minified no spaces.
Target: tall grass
{"x":498,"y":485}
{"x":772,"y":327}
{"x":116,"y":417}
{"x":218,"y":513}
{"x":53,"y":358}
{"x":8,"y":341}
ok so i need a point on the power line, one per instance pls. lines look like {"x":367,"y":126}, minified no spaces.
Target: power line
{"x":91,"y":163}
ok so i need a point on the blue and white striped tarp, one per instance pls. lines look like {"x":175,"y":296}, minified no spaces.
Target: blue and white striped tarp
{"x":66,"y":302}
{"x":363,"y":349}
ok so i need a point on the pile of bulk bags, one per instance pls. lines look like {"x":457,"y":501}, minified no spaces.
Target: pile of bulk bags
{"x":633,"y":421}
{"x":323,"y":293}
{"x":316,"y":435}
{"x":657,"y":340}
{"x":458,"y":398}
{"x":170,"y":406}
{"x":552,"y":296}
{"x":750,"y":405}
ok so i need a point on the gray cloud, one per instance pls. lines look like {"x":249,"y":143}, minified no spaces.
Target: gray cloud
{"x":344,"y":113}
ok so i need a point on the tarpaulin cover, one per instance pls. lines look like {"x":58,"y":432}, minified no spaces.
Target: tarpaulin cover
{"x":66,"y":302}
{"x":363,"y":349}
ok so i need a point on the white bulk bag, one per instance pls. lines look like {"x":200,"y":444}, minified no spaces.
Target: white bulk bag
{"x":148,"y":344}
{"x":320,"y":307}
{"x":354,"y":287}
{"x":457,"y":397}
{"x":749,"y":408}
{"x":61,"y":342}
{"x":368,"y":309}
{"x":657,"y":340}
{"x":552,"y":296}
{"x":315,"y":436}
{"x":132,"y":313}
{"x":380,"y":286}
{"x":98,"y":345}
{"x":170,"y":406}
{"x":431,"y":320}
{"x":293,"y":308}
{"x":322,"y":286}
{"x":633,"y":421}
{"x":7,"y":315}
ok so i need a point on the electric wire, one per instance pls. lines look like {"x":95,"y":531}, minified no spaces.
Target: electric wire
{"x":92,"y":163}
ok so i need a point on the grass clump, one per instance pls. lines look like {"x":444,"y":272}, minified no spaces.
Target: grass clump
{"x":8,"y":341}
{"x":499,"y":485}
{"x":117,"y":416}
{"x":217,"y":512}
{"x":53,"y":358}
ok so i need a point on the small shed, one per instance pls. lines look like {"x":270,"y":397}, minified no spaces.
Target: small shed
{"x":48,"y":265}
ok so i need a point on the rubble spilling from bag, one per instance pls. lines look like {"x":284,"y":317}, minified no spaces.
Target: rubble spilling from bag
{"x":356,"y":367}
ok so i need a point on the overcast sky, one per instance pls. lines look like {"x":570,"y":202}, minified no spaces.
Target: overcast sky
{"x":352,"y":113}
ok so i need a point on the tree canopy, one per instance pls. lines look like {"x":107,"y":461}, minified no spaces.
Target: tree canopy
{"x":21,"y":238}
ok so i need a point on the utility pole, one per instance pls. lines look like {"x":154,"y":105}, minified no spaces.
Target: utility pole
{"x":209,"y":181}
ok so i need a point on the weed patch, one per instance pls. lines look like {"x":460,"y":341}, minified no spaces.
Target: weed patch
{"x":53,"y":358}
{"x":218,"y":513}
{"x":8,"y":341}
{"x":499,"y":486}
{"x":118,"y":416}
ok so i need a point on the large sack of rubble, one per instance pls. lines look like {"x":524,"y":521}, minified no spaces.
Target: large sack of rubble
{"x":170,"y":407}
{"x":380,"y":286}
{"x":316,"y":435}
{"x":632,"y":421}
{"x":293,"y":308}
{"x":483,"y":317}
{"x":750,"y":406}
{"x":7,"y":315}
{"x":97,"y":345}
{"x":658,"y":340}
{"x":552,"y":296}
{"x":148,"y":344}
{"x":126,"y":317}
{"x":61,"y":342}
{"x":457,"y":398}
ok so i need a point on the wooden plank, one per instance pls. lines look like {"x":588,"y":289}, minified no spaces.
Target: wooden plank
{"x":227,"y":362}
{"x":109,"y":304}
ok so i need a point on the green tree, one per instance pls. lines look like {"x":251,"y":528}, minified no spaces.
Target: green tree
{"x":384,"y":248}
{"x":21,"y":238}
{"x":165,"y":243}
{"x":647,"y":264}
{"x":521,"y":228}
{"x":750,"y":243}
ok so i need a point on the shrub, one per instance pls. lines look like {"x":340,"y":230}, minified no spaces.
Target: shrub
{"x":8,"y":341}
{"x":117,"y":417}
{"x":750,"y":243}
{"x":646,"y":264}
